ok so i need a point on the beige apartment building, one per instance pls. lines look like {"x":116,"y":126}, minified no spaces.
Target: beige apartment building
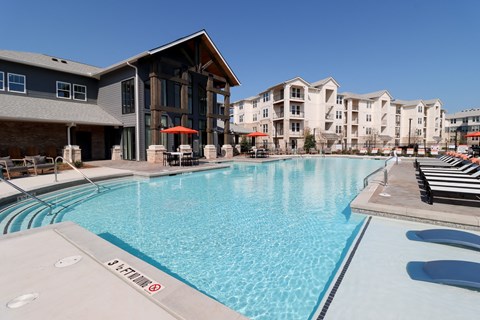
{"x":338,"y":120}
{"x":460,"y":124}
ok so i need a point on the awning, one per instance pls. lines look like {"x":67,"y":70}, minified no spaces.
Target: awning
{"x":385,"y":137}
{"x":330,"y":136}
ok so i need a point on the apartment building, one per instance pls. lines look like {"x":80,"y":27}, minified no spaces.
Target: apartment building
{"x":461,"y":123}
{"x":339,"y":120}
{"x":47,"y":102}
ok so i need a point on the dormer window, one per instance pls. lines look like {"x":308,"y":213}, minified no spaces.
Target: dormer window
{"x":63,"y":90}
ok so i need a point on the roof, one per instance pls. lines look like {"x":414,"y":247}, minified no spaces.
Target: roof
{"x":23,"y":108}
{"x":200,"y":34}
{"x":49,"y":62}
{"x":378,"y":94}
{"x":330,"y":136}
{"x":432,"y":101}
{"x":352,"y":95}
{"x":281,"y":84}
{"x":322,"y":82}
{"x":409,"y":103}
{"x":234,"y":128}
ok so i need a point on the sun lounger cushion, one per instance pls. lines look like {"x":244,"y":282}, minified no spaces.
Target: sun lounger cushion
{"x":447,"y":236}
{"x":8,"y":162}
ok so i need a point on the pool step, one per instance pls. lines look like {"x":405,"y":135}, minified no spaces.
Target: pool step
{"x":30,"y":214}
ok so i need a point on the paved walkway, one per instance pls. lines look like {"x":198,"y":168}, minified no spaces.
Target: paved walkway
{"x":407,"y":200}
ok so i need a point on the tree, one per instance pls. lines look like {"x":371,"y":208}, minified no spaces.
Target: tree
{"x":309,"y":140}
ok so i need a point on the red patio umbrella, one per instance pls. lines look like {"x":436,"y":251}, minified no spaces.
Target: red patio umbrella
{"x":257,"y":134}
{"x":474,"y":134}
{"x":179,"y":130}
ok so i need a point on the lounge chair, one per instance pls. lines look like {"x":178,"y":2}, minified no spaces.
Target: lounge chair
{"x":40,"y":163}
{"x":446,"y":236}
{"x":386,"y":151}
{"x":13,"y":165}
{"x":374,"y":151}
{"x":450,"y":272}
{"x":451,"y":174}
{"x":453,"y":193}
{"x":463,"y":169}
{"x":363,"y":151}
{"x":421,"y":152}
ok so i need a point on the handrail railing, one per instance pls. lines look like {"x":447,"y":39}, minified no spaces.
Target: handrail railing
{"x":28,"y":194}
{"x":365,"y":180}
{"x":73,"y":167}
{"x":385,"y":172}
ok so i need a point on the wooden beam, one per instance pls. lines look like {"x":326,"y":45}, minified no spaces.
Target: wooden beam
{"x":172,"y":78}
{"x":220,"y":91}
{"x":218,"y":116}
{"x":172,"y":110}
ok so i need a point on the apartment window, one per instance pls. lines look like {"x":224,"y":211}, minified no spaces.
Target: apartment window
{"x":453,"y":121}
{"x":79,"y":92}
{"x":420,"y":120}
{"x":128,"y":96}
{"x":368,"y":131}
{"x":255,"y":117}
{"x":265,"y":113}
{"x":255,"y":103}
{"x":16,"y":83}
{"x":63,"y":90}
{"x":420,"y":109}
{"x":240,"y":118}
{"x":2,"y":81}
{"x":254,"y":128}
{"x":368,"y":117}
{"x":338,"y":129}
{"x":266,"y":96}
{"x":265,"y":128}
{"x":240,"y":106}
{"x":419,"y":132}
{"x":338,"y":114}
{"x":369,"y":104}
{"x":295,"y":109}
{"x":296,"y":93}
{"x":295,"y":126}
{"x":339,"y":99}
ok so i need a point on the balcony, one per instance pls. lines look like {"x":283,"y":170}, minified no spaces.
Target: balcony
{"x":384,"y":123}
{"x":277,"y":98}
{"x":354,"y":122}
{"x":329,"y":118}
{"x":296,"y":133}
{"x":397,"y":124}
{"x":277,"y":116}
{"x":355,"y":108}
{"x":297,"y":96}
{"x":297,"y":115}
{"x":278,"y":134}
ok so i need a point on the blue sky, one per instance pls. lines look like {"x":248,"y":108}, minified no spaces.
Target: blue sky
{"x":414,"y":49}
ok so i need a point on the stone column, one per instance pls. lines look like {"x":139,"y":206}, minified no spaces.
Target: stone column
{"x":72,"y":153}
{"x":116,"y":152}
{"x":155,"y":154}
{"x":227,"y":151}
{"x":210,"y":152}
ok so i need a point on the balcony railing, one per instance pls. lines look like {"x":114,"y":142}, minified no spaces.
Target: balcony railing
{"x":384,"y":123}
{"x":296,"y":133}
{"x":355,"y":108}
{"x":297,"y":115}
{"x":354,"y":121}
{"x":296,"y":96}
{"x":329,"y":117}
{"x":278,"y":115}
{"x":278,"y":97}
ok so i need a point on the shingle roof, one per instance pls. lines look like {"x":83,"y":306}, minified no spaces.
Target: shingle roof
{"x":323,"y":82}
{"x":23,"y":108}
{"x":377,"y":94}
{"x":49,"y":62}
{"x":408,"y":102}
{"x":354,"y":96}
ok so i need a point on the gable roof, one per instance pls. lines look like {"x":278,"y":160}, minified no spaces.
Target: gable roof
{"x":24,"y":108}
{"x":351,"y":95}
{"x":322,"y":82}
{"x":432,"y":101}
{"x":49,"y":62}
{"x":378,"y":94}
{"x":409,"y":103}
{"x":200,"y":34}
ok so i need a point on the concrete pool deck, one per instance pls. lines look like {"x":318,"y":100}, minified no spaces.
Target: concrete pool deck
{"x":376,"y":285}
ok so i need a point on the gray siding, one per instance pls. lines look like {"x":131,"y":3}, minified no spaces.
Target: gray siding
{"x":42,"y":83}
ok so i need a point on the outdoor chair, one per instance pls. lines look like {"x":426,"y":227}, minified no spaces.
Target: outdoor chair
{"x":40,"y":163}
{"x":13,"y":165}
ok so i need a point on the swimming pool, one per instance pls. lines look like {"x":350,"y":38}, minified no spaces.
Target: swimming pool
{"x":263,"y":239}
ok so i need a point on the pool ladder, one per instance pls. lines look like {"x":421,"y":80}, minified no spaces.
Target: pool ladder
{"x":74,"y":168}
{"x":385,"y":172}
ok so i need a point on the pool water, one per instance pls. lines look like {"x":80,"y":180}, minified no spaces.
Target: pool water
{"x":263,"y":239}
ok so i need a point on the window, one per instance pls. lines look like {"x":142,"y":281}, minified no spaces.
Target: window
{"x":265,"y":113}
{"x":255,"y":103}
{"x":240,"y":118}
{"x":419,"y":132}
{"x":453,"y":121}
{"x":420,"y":109}
{"x":295,"y":93}
{"x":128,"y":96}
{"x":2,"y":81}
{"x":265,"y":128}
{"x":240,"y":106}
{"x":368,"y":131}
{"x":420,"y":120}
{"x":79,"y":92}
{"x":338,"y":114}
{"x":295,"y":126}
{"x":295,"y":109}
{"x":63,"y":90}
{"x":339,"y":99}
{"x":255,"y":117}
{"x":369,"y":104}
{"x":369,"y":117}
{"x":266,"y":96}
{"x":16,"y":83}
{"x":338,"y":129}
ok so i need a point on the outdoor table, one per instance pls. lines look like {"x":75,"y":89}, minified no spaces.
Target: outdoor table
{"x":180,"y":156}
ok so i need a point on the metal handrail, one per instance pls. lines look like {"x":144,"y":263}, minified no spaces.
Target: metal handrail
{"x":28,"y":194}
{"x":73,"y":167}
{"x":385,"y":173}
{"x":365,"y":180}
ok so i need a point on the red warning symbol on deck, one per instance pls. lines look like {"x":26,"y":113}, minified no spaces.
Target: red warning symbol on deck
{"x":155,"y":287}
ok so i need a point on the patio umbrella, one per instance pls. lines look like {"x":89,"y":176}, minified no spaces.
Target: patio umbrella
{"x":179,"y":130}
{"x":474,"y":134}
{"x":257,"y":134}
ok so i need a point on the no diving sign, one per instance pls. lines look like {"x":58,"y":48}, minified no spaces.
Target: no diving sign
{"x":134,"y":277}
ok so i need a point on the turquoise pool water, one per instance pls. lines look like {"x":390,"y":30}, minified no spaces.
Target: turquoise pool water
{"x":262,"y":239}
